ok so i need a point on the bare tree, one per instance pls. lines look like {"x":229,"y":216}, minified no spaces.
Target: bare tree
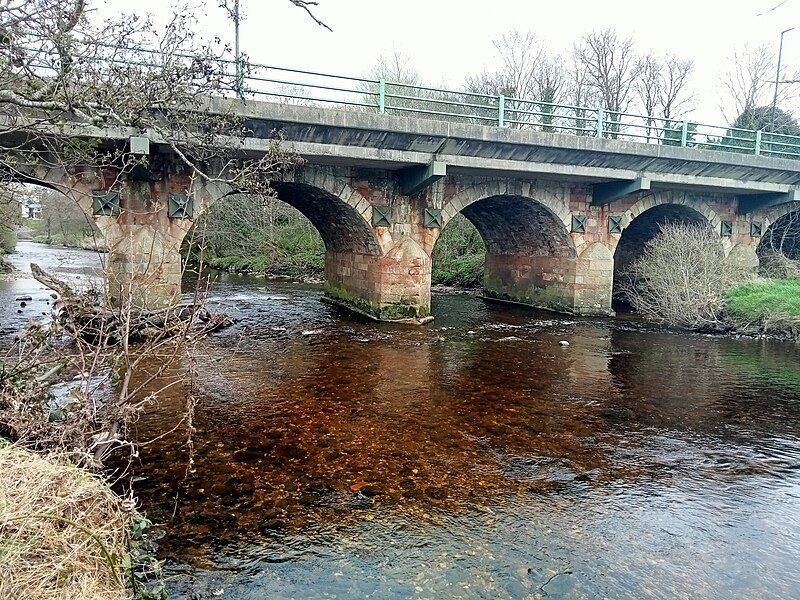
{"x":62,"y":74}
{"x":63,"y":221}
{"x":395,"y":67}
{"x":524,"y":71}
{"x":682,"y":276}
{"x":675,"y":97}
{"x":662,"y":90}
{"x":400,"y":75}
{"x":61,"y":70}
{"x":648,"y":89}
{"x":550,"y":81}
{"x":518,"y":54}
{"x":612,"y":68}
{"x":745,"y":81}
{"x":580,"y":93}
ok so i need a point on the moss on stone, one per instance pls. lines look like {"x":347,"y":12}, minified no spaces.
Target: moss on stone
{"x":388,"y":312}
{"x":549,"y":298}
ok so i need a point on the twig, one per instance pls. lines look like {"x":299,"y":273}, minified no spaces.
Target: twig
{"x":305,"y":5}
{"x":565,"y":572}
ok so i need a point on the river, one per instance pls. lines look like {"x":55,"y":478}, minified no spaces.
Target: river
{"x":475,"y":457}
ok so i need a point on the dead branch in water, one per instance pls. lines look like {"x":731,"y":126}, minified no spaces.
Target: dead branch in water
{"x":90,"y":319}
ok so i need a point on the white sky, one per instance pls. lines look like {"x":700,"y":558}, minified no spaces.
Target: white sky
{"x":450,"y":39}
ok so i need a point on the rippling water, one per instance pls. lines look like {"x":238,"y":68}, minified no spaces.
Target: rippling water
{"x":473,"y":458}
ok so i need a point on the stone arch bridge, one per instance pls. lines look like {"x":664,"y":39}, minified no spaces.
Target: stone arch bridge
{"x":555,"y":211}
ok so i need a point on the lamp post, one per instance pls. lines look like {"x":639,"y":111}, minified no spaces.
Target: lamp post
{"x":777,"y":79}
{"x":239,"y":66}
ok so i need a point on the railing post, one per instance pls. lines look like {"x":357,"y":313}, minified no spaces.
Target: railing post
{"x":599,"y":122}
{"x":382,"y":96}
{"x":684,"y":134}
{"x":501,"y":110}
{"x":758,"y":143}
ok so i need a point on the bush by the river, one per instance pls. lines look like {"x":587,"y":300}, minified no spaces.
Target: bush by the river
{"x":8,"y":240}
{"x":458,"y":256}
{"x":683,"y":279}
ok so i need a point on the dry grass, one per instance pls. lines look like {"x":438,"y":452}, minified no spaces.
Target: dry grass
{"x":63,"y":533}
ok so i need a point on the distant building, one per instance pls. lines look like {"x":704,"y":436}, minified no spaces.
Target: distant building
{"x":31,"y":208}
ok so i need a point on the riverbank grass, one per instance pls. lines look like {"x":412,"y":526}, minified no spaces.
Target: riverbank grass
{"x":767,"y":305}
{"x":63,"y":532}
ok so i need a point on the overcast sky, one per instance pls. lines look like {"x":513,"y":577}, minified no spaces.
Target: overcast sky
{"x":450,"y":39}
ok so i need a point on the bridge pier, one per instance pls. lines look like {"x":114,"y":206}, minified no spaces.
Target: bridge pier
{"x":533,"y":255}
{"x":143,"y":223}
{"x":392,"y":287}
{"x":374,"y":265}
{"x":541,"y":281}
{"x":143,"y":243}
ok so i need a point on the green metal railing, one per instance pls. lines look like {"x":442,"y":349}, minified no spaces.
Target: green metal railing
{"x":297,"y":86}
{"x":312,"y":88}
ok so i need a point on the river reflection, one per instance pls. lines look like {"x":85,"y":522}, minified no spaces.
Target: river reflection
{"x":473,"y":458}
{"x":476,"y":457}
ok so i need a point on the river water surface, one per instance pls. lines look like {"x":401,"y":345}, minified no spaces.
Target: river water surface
{"x":475,"y":457}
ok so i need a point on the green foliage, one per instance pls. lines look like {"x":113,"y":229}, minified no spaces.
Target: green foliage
{"x":458,"y":256}
{"x":460,"y":271}
{"x":62,"y":221}
{"x":260,"y":235}
{"x":674,"y":135}
{"x":761,"y":117}
{"x":773,"y":126}
{"x":10,"y":218}
{"x":769,"y":305}
{"x":8,"y":239}
{"x":140,"y":566}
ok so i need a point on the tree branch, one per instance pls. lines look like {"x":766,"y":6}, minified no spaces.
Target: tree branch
{"x":306,"y":6}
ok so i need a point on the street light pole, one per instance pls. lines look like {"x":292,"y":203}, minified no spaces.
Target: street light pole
{"x":777,"y":79}
{"x":239,"y":69}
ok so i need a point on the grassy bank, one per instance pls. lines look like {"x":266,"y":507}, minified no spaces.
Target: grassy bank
{"x":766,"y":306}
{"x":84,"y":243}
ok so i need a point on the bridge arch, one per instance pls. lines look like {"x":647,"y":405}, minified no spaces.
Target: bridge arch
{"x":341,"y":214}
{"x":661,"y":198}
{"x":557,"y":202}
{"x":530,"y":255}
{"x":369,"y":269}
{"x":781,"y":231}
{"x":337,"y":211}
{"x":642,"y":222}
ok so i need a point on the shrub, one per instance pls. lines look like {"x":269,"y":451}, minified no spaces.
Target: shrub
{"x":8,"y":240}
{"x":461,"y":271}
{"x":682,"y":277}
{"x":776,"y":265}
